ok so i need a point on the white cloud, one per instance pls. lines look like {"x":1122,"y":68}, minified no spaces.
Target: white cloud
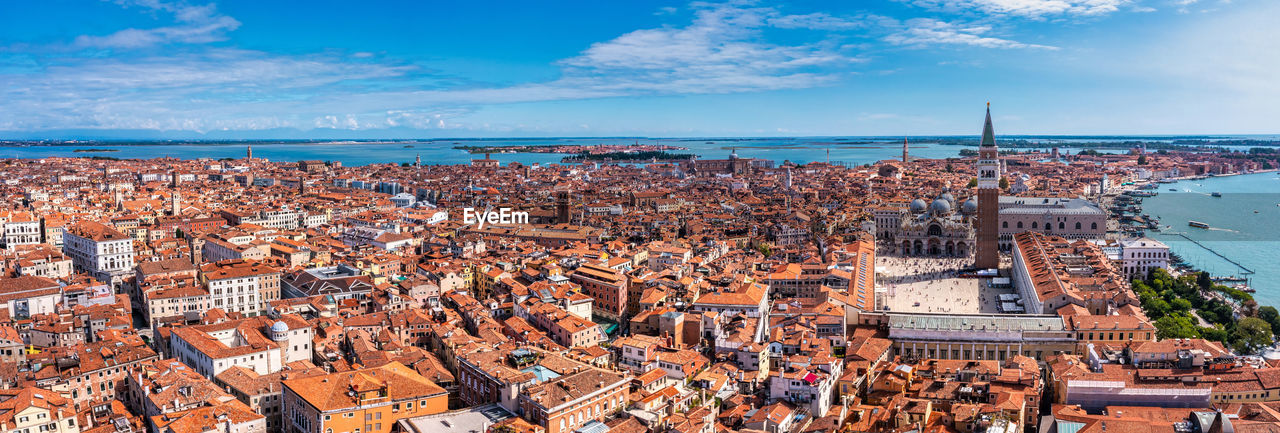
{"x":207,"y":88}
{"x":193,"y":25}
{"x":814,"y":21}
{"x":1026,"y":8}
{"x":921,"y":32}
{"x":721,"y":51}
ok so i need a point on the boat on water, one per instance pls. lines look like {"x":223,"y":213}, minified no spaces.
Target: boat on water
{"x":1198,"y":224}
{"x":1216,"y":194}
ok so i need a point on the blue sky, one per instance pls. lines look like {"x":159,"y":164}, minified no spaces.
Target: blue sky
{"x":248,"y":69}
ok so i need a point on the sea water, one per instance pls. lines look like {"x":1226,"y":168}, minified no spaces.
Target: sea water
{"x":1244,"y":227}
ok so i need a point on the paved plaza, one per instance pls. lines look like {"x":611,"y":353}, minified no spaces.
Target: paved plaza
{"x":934,"y":285}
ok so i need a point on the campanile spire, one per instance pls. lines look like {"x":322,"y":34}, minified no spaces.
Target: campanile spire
{"x":987,"y":254}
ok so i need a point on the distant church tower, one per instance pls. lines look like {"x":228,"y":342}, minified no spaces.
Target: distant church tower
{"x":905,"y":157}
{"x":562,"y":207}
{"x":175,"y":203}
{"x":987,"y":255}
{"x":249,"y":150}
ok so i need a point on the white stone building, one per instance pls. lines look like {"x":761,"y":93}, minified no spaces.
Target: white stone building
{"x":19,"y":228}
{"x":1138,"y":256}
{"x":99,"y":250}
{"x":259,"y":343}
{"x":241,"y":286}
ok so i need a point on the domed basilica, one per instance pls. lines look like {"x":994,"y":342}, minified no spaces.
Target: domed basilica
{"x":935,"y":228}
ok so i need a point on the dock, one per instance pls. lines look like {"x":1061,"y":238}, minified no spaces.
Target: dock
{"x":1246,"y":270}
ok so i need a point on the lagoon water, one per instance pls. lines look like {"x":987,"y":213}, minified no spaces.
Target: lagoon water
{"x":849,"y":150}
{"x":1237,"y":232}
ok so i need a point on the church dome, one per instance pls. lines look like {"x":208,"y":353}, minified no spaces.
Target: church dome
{"x":949,"y":198}
{"x":279,"y":327}
{"x":940,"y":207}
{"x":970,"y":206}
{"x":918,"y":205}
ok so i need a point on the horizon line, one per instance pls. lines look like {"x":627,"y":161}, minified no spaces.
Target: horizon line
{"x":637,"y":137}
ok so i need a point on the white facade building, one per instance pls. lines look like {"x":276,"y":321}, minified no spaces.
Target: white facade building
{"x":19,"y":228}
{"x":1138,"y":256}
{"x":259,"y":343}
{"x":101,"y":251}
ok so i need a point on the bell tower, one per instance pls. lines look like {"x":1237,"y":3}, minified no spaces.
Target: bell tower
{"x":987,"y":254}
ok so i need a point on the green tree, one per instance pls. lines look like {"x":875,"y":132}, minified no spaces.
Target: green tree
{"x":1182,"y":305}
{"x":1004,"y":182}
{"x":1271,"y":316}
{"x":1142,"y":160}
{"x":1176,"y":326}
{"x":973,"y":182}
{"x":1204,"y":281}
{"x":1156,"y":308}
{"x":1251,"y":334}
{"x":1214,"y":333}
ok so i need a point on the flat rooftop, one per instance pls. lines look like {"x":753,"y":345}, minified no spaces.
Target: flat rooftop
{"x":984,"y":322}
{"x":474,"y":419}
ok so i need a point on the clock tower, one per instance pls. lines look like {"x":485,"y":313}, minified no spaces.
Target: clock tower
{"x":987,"y":254}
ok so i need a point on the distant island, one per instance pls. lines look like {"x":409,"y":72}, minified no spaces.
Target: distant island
{"x":628,"y":156}
{"x":95,"y":150}
{"x":575,"y":149}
